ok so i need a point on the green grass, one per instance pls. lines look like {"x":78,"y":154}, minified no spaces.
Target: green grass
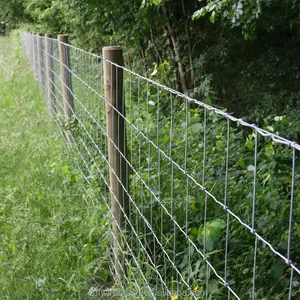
{"x":52,"y":242}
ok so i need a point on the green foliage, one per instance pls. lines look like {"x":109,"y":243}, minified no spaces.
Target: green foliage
{"x":152,"y":2}
{"x":186,"y":200}
{"x":240,"y":55}
{"x":236,"y":12}
{"x":12,"y":11}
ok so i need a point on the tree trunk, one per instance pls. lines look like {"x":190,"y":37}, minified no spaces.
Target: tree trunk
{"x":155,"y":47}
{"x":189,"y":44}
{"x":142,"y":55}
{"x":178,"y":58}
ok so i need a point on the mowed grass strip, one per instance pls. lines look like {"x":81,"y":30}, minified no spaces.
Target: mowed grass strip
{"x":52,"y":242}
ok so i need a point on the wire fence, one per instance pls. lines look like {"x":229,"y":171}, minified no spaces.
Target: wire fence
{"x":200,"y":204}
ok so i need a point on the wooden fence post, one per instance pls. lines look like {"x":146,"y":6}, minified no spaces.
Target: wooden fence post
{"x":31,"y":54}
{"x":65,"y":66}
{"x":35,"y":55}
{"x":117,"y":148}
{"x":40,"y":59}
{"x":49,"y":75}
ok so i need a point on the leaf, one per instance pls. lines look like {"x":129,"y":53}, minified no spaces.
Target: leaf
{"x":220,"y":144}
{"x":218,"y":224}
{"x":213,"y":286}
{"x":196,"y":127}
{"x":241,"y":163}
{"x":194,"y":231}
{"x":212,"y":17}
{"x":278,"y":118}
{"x":240,"y":5}
{"x":274,"y":204}
{"x":250,"y":144}
{"x":267,"y":179}
{"x":199,"y":13}
{"x":196,"y":206}
{"x":251,"y":168}
{"x":211,"y":7}
{"x":209,"y":245}
{"x":150,"y":2}
{"x":154,"y":72}
{"x":277,"y":270}
{"x":270,"y":151}
{"x":261,"y":221}
{"x":156,"y":2}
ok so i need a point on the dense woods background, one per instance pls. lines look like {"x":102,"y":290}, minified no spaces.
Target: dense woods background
{"x":239,"y":54}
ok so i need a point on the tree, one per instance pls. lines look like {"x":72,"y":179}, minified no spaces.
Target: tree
{"x":242,"y":13}
{"x":12,"y":11}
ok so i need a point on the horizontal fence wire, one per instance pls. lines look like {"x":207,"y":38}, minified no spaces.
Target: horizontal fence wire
{"x":213,"y":201}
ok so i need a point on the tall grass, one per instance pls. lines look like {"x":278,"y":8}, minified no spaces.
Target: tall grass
{"x":52,"y":241}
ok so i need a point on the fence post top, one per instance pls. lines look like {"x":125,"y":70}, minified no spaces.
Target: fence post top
{"x":114,"y":54}
{"x":63,"y":37}
{"x":111,"y":48}
{"x":48,"y":35}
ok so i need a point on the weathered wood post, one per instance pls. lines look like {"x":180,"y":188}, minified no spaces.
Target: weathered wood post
{"x":117,"y":148}
{"x":49,"y":72}
{"x":31,"y":52}
{"x":65,"y":66}
{"x":35,"y":55}
{"x":40,"y":58}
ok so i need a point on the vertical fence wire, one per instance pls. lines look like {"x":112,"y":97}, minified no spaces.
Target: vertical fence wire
{"x":203,"y":218}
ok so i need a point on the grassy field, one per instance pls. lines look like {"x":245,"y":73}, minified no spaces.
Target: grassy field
{"x":51,"y":240}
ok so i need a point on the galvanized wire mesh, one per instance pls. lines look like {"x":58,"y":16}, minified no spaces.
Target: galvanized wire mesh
{"x":213,"y":200}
